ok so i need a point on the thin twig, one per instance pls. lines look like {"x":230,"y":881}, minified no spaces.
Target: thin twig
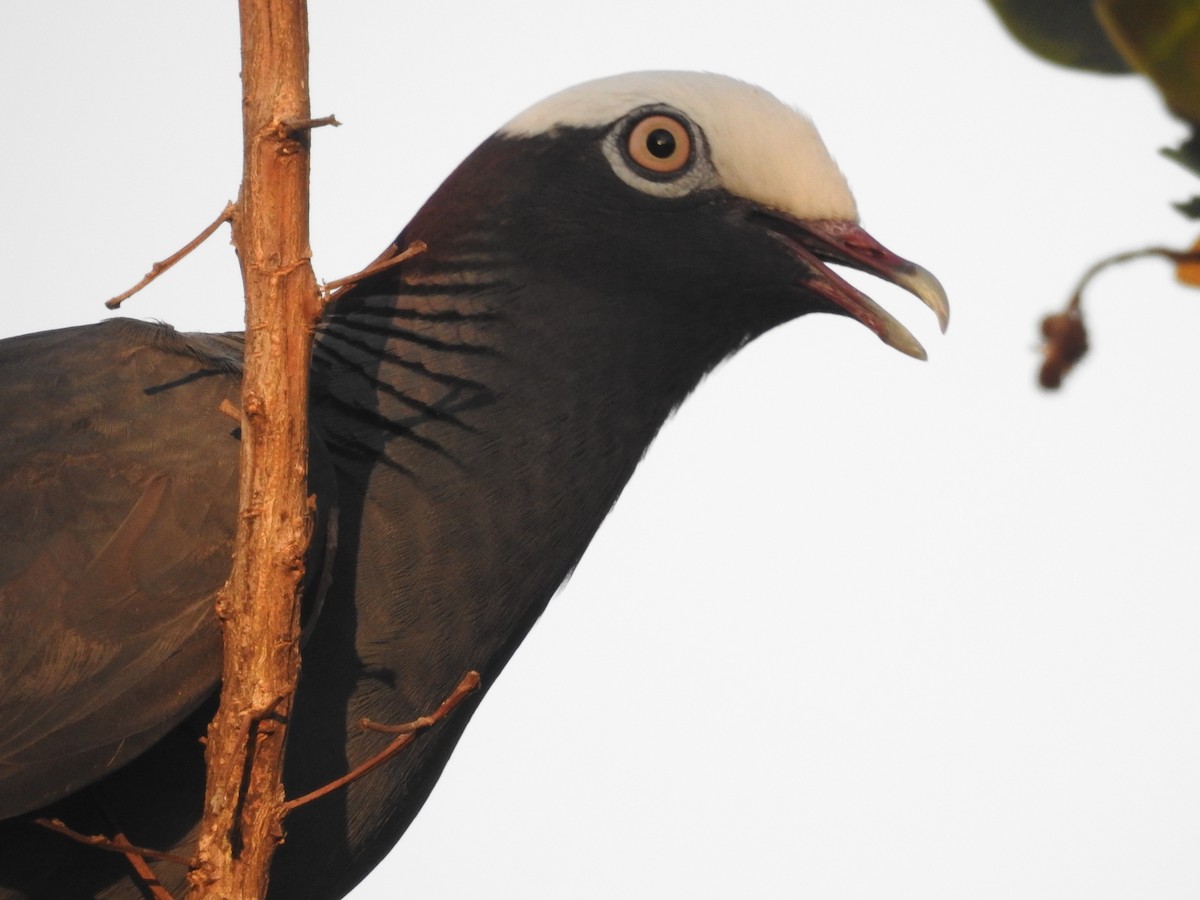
{"x":385,"y":262}
{"x":148,"y":877}
{"x":1175,"y":256}
{"x":100,"y":842}
{"x":227,"y":408}
{"x":296,"y":125}
{"x":159,"y":267}
{"x":406,"y":733}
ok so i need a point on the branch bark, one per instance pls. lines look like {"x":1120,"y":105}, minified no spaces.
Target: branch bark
{"x":259,"y":605}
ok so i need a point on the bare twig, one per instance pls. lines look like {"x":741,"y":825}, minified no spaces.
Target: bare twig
{"x":406,"y":732}
{"x":147,"y":877}
{"x":295,"y":126}
{"x":116,"y":845}
{"x":161,"y":266}
{"x":386,"y":261}
{"x":1175,"y":256}
{"x":228,"y":409}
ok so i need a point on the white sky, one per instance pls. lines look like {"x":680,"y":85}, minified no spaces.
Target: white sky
{"x":860,"y":627}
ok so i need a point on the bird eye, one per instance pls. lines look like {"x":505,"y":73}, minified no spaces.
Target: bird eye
{"x":659,"y":151}
{"x":661,"y":144}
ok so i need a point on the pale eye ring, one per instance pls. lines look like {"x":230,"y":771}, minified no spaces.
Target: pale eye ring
{"x":660,"y":144}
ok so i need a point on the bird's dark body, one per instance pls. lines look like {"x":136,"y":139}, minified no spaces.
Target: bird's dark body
{"x":480,"y":431}
{"x":475,"y":414}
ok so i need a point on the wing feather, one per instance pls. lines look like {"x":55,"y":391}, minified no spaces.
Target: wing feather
{"x":118,"y":491}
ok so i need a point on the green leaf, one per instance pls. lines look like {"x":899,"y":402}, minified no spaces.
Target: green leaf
{"x":1190,"y":208}
{"x":1186,"y":154}
{"x":1160,"y":38}
{"x":1061,"y":31}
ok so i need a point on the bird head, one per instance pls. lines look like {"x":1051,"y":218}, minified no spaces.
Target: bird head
{"x":695,"y":195}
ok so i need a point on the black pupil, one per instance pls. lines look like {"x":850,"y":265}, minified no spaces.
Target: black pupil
{"x":660,"y":143}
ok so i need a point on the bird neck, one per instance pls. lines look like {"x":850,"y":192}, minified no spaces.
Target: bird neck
{"x":488,"y":421}
{"x":483,"y":415}
{"x":481,"y":428}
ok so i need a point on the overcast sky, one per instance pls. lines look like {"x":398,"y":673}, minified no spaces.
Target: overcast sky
{"x":860,"y":627}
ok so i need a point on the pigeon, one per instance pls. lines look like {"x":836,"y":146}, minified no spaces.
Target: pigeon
{"x":475,"y":413}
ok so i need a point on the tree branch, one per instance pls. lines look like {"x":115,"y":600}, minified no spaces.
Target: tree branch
{"x":258,"y":608}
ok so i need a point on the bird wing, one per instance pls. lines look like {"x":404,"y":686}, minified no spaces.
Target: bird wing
{"x":118,"y":493}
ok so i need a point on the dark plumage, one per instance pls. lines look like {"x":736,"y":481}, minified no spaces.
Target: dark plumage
{"x":475,"y":415}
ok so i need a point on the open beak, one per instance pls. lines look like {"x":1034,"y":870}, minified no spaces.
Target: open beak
{"x":818,"y":242}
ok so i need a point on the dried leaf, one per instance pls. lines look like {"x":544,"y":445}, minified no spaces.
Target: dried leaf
{"x":1066,"y":343}
{"x":1187,"y":269}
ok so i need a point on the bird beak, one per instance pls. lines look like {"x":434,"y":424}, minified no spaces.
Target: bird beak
{"x":817,"y":242}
